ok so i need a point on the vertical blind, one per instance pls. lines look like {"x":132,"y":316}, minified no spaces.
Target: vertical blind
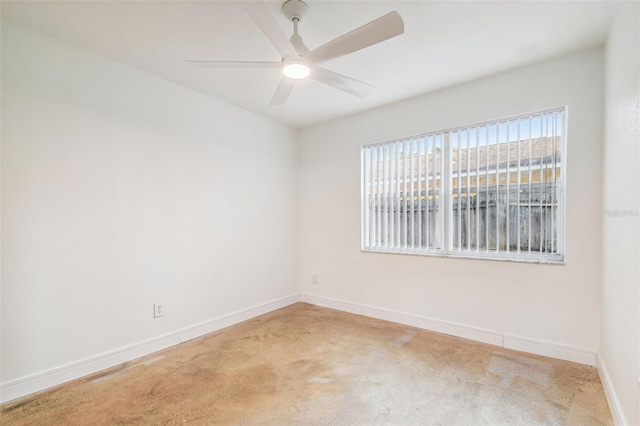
{"x":489,"y":190}
{"x":402,"y":194}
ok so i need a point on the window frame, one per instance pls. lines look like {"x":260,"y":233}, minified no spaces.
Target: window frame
{"x":446,"y":193}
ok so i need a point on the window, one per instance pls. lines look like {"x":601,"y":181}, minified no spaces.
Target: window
{"x":491,"y":190}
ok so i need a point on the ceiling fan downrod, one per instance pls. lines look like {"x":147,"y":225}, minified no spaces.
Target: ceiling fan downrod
{"x":295,"y":10}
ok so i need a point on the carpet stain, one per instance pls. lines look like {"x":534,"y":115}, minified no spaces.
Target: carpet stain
{"x":509,"y":366}
{"x":321,"y":380}
{"x":400,"y":341}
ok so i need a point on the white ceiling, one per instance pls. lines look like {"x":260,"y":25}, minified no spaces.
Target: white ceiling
{"x":445,"y":43}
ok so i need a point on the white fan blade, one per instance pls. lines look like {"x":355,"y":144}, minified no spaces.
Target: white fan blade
{"x":234,"y":64}
{"x":283,"y":91}
{"x":383,"y":28}
{"x":341,"y":82}
{"x":263,"y":19}
{"x":298,"y":44}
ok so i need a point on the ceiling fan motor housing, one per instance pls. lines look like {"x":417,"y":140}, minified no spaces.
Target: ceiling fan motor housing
{"x":294,"y":9}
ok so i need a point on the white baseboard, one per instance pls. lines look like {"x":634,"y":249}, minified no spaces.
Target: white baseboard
{"x":538,"y":347}
{"x":612,"y":399}
{"x":471,"y":333}
{"x":550,"y":349}
{"x":65,"y":373}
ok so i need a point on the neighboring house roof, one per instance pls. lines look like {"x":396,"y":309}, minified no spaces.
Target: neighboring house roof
{"x":543,"y":151}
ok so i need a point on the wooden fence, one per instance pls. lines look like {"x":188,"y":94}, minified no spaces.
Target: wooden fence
{"x":479,"y":221}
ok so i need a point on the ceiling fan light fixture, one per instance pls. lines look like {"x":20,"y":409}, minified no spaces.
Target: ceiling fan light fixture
{"x":296,"y":69}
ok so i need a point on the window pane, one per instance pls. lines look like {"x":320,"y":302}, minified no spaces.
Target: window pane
{"x":401,"y":195}
{"x":503,"y":183}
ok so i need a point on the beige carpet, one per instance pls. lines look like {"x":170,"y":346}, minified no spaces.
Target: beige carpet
{"x":307,"y":365}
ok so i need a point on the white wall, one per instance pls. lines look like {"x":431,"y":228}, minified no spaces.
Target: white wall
{"x":548,"y":309}
{"x":620,"y":330}
{"x":121,"y":189}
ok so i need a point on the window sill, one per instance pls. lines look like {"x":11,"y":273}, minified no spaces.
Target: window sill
{"x":540,"y":259}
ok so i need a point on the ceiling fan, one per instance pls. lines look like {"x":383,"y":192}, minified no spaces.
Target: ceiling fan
{"x":299,"y":62}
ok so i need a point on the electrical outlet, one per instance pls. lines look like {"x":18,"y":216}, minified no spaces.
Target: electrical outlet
{"x":158,"y":310}
{"x":314,"y":279}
